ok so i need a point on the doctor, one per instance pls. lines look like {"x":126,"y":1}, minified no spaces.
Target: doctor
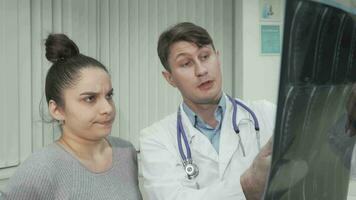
{"x":213,"y":147}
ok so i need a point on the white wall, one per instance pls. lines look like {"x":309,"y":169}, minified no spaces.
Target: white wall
{"x":260,"y":73}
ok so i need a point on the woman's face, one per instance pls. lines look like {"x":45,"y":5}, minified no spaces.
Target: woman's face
{"x":89,"y":109}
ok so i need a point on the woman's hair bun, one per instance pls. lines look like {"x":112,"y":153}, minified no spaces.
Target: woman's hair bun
{"x":60,"y":47}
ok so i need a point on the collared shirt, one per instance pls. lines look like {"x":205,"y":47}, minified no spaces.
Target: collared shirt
{"x":213,"y":134}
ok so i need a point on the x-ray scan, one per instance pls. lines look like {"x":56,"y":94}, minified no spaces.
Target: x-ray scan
{"x":316,"y":116}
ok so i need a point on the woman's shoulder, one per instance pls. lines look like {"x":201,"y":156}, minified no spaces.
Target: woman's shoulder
{"x":42,"y":157}
{"x":33,"y":176}
{"x":119,"y":143}
{"x":42,"y":162}
{"x":123,"y":148}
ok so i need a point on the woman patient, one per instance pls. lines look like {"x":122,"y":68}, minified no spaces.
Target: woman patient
{"x":85,"y":162}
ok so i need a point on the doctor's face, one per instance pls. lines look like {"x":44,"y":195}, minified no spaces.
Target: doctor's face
{"x":89,"y":109}
{"x":195,"y":72}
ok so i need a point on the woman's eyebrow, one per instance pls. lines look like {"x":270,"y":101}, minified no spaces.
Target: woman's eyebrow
{"x":88,"y":93}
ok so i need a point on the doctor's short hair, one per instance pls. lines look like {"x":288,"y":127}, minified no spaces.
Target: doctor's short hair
{"x":184,"y":31}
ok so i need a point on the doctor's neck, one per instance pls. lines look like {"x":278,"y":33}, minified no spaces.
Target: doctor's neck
{"x":205,"y":110}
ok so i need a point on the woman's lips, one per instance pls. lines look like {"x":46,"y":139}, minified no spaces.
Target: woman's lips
{"x":206,"y":85}
{"x":105,"y":123}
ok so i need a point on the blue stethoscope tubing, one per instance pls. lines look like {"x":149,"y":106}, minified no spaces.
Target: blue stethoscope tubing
{"x":180,"y":134}
{"x":235,"y":102}
{"x":190,"y":168}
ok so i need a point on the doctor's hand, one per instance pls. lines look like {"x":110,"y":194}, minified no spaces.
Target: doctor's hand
{"x":253,"y":180}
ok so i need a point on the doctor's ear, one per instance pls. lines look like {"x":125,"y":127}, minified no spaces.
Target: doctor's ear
{"x":217,"y":53}
{"x":55,"y":110}
{"x":169,"y":78}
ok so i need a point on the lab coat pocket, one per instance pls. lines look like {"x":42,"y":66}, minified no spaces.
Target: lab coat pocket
{"x":247,"y":141}
{"x":190,"y":183}
{"x":242,"y":160}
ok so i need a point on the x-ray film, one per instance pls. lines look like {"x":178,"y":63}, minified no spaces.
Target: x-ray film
{"x":314,"y":134}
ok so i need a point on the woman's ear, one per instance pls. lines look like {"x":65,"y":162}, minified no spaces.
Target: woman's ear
{"x":55,"y":110}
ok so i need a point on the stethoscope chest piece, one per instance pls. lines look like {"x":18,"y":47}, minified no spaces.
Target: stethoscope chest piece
{"x":191,"y":169}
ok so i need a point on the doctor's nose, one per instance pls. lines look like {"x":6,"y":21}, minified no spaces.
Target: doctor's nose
{"x":200,"y":69}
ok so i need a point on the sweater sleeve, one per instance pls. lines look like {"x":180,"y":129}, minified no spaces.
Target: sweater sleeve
{"x":31,"y":181}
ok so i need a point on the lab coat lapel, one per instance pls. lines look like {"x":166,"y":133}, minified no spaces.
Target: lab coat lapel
{"x":229,"y":141}
{"x":198,"y":142}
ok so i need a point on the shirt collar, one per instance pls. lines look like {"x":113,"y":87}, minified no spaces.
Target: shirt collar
{"x":219,"y":112}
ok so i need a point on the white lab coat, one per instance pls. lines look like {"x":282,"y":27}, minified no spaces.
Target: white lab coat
{"x":219,"y":174}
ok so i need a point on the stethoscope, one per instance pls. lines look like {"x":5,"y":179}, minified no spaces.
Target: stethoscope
{"x":190,"y":168}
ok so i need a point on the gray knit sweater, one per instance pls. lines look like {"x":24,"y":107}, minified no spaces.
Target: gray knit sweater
{"x":53,"y":173}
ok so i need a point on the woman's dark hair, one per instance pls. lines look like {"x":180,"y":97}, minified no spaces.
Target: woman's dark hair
{"x":67,"y":63}
{"x":184,"y":31}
